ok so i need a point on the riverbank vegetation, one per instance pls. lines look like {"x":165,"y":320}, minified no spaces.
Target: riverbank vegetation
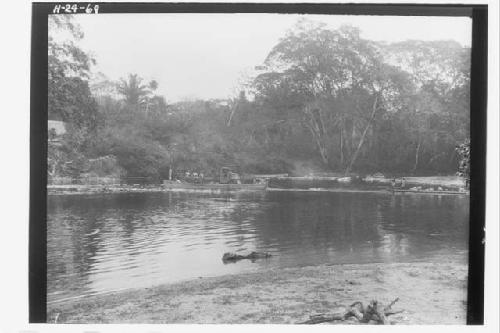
{"x":323,"y":101}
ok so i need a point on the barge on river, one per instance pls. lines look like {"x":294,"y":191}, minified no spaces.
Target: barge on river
{"x":183,"y":186}
{"x":228,"y":180}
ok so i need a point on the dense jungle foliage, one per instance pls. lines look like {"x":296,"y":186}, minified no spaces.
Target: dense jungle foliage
{"x":323,"y":101}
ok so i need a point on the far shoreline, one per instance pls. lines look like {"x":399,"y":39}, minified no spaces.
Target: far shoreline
{"x":380,"y":185}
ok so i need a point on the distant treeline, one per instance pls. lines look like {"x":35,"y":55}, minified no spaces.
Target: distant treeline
{"x":324,"y":100}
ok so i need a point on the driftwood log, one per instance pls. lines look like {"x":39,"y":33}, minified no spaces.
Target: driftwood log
{"x":372,"y":312}
{"x":233,"y":257}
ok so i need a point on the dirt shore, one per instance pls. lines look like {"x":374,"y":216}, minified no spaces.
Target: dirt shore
{"x":447,"y":182}
{"x":429,"y":293}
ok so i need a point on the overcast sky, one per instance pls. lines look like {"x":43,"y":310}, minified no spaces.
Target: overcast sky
{"x":205,"y":55}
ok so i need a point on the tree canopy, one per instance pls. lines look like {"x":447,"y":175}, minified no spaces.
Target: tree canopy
{"x":324,"y":100}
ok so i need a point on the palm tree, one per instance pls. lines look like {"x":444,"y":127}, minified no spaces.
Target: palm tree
{"x":134,"y":92}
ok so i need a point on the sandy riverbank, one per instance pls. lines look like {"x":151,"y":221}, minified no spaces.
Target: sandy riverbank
{"x":430,"y":293}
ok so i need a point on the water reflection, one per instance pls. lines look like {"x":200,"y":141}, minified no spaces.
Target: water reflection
{"x":108,"y":242}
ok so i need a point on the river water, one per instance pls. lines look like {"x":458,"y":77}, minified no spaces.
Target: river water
{"x":102,"y":243}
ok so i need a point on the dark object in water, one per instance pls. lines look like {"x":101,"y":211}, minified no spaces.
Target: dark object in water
{"x":95,"y":232}
{"x":232,"y":257}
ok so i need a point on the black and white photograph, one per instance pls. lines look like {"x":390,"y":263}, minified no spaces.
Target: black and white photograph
{"x":260,"y":167}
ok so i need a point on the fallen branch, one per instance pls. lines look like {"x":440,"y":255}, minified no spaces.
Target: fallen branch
{"x":390,"y":313}
{"x":363,"y":314}
{"x":321,"y":318}
{"x":388,"y":307}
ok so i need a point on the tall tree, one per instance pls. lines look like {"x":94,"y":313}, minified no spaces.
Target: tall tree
{"x":339,"y":82}
{"x":439,"y":113}
{"x":69,"y":96}
{"x":137,"y":95}
{"x":133,"y":90}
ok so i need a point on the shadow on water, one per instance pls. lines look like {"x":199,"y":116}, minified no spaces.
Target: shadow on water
{"x":99,"y":243}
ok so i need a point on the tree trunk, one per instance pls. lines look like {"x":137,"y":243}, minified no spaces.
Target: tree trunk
{"x":231,"y":114}
{"x":341,"y":146}
{"x":353,"y":137}
{"x":360,"y":144}
{"x":319,"y":144}
{"x":316,"y":126}
{"x":417,"y":152}
{"x":323,"y":153}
